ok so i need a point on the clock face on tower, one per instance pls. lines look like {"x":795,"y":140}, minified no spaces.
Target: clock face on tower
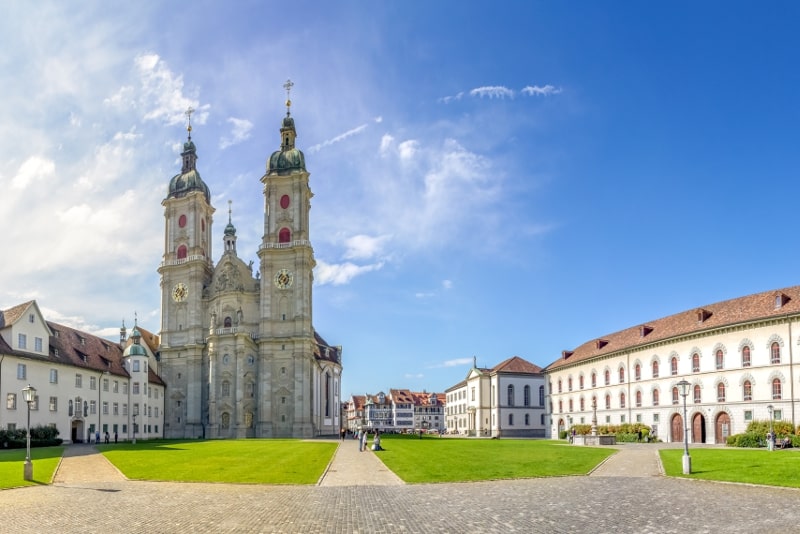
{"x":284,"y":279}
{"x":179,"y":292}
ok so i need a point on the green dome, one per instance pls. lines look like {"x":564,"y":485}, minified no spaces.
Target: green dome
{"x":189,"y":179}
{"x":230,"y":229}
{"x":288,"y":159}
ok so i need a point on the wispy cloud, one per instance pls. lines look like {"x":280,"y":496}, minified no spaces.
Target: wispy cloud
{"x":452,"y":98}
{"x":240,"y":131}
{"x":343,"y":136}
{"x":341,"y":273}
{"x":501,"y":92}
{"x":492,"y":91}
{"x":457,"y":362}
{"x":536,"y":90}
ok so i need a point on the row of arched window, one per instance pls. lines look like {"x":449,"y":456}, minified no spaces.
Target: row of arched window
{"x":697,"y":397}
{"x":719,"y":364}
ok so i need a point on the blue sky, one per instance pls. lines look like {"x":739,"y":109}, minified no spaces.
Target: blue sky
{"x":490,"y":179}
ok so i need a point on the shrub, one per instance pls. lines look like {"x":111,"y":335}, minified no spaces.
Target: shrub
{"x":748,"y":439}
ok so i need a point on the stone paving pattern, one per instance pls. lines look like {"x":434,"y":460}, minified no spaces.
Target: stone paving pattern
{"x":609,"y":500}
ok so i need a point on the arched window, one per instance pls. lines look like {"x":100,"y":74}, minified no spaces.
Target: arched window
{"x":655,"y":397}
{"x":527,"y":419}
{"x":674,"y":395}
{"x":228,"y":322}
{"x":583,"y":404}
{"x":747,"y":390}
{"x":721,"y":392}
{"x":70,"y":408}
{"x":226,"y":420}
{"x":637,"y":372}
{"x":580,"y":382}
{"x":526,"y":395}
{"x":182,"y":251}
{"x":673,"y":366}
{"x":226,"y":388}
{"x":638,"y":399}
{"x":621,"y":375}
{"x":719,"y":360}
{"x":776,"y":389}
{"x":655,"y":368}
{"x":571,"y":406}
{"x":594,"y":379}
{"x":560,"y":406}
{"x":607,"y":376}
{"x":569,"y":384}
{"x":745,"y":356}
{"x":608,"y":402}
{"x":559,"y":385}
{"x":775,"y":353}
{"x":511,"y":419}
{"x":510,"y":395}
{"x":697,"y":394}
{"x":695,"y":363}
{"x":621,"y":400}
{"x":541,"y":397}
{"x":284,"y":235}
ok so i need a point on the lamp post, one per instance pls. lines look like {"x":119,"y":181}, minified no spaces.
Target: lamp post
{"x":771,"y":440}
{"x":29,"y":394}
{"x":134,"y":429}
{"x":687,"y":460}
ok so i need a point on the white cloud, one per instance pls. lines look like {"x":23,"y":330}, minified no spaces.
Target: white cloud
{"x":492,"y":91}
{"x":448,"y":99}
{"x":447,"y":284}
{"x":386,"y":143}
{"x":457,"y":362}
{"x":162,"y":96}
{"x":407,"y":149}
{"x":240,"y":131}
{"x":360,"y":247}
{"x":340,"y":274}
{"x":413,"y":376}
{"x":536,"y":90}
{"x":340,"y":137}
{"x":33,"y":169}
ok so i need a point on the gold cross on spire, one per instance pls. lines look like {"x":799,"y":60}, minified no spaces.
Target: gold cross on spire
{"x":188,"y":114}
{"x":288,"y":86}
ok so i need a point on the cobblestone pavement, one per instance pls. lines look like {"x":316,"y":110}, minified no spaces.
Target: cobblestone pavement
{"x":595,"y":504}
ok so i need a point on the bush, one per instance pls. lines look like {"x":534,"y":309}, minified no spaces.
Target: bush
{"x":748,"y":439}
{"x":41,"y":436}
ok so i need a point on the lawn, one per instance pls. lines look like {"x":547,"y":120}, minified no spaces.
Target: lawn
{"x":250,"y":461}
{"x":752,"y":466}
{"x":45,"y":461}
{"x":434,"y":459}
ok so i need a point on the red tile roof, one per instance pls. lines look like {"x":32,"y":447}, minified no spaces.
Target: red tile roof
{"x":759,"y":306}
{"x":515,"y":364}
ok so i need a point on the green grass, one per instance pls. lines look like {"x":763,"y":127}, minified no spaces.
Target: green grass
{"x":45,"y":461}
{"x":251,"y":461}
{"x":435,"y":459}
{"x":753,"y":466}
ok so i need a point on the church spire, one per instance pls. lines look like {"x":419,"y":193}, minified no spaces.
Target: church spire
{"x":230,"y":234}
{"x":189,"y":153}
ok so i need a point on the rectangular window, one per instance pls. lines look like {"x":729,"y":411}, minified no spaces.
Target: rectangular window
{"x":778,"y":415}
{"x":22,"y":371}
{"x":473,"y":393}
{"x":105,"y":384}
{"x":35,"y":403}
{"x":655,"y":418}
{"x":53,"y":404}
{"x":78,"y":380}
{"x":92,"y":407}
{"x":135,"y":366}
{"x":37,"y":344}
{"x":54,"y":376}
{"x":136,"y":409}
{"x":12,"y":427}
{"x":116,"y":408}
{"x":31,"y":318}
{"x":22,"y":341}
{"x":124,"y":388}
{"x":115,"y":387}
{"x":92,"y":382}
{"x":622,"y":419}
{"x":105,"y":408}
{"x":156,"y":411}
{"x":748,"y":415}
{"x":124,"y":409}
{"x":11,"y":401}
{"x":136,"y":388}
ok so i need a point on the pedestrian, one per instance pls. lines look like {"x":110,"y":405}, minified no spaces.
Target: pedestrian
{"x":115,"y":436}
{"x":343,"y":432}
{"x":376,"y":441}
{"x":360,"y":443}
{"x":363,"y":443}
{"x":106,"y":437}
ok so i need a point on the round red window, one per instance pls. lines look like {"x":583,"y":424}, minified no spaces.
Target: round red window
{"x":285,"y":201}
{"x":182,"y":221}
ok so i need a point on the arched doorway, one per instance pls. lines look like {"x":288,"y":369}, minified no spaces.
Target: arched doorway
{"x":561,"y":426}
{"x":722,"y":428}
{"x":676,"y":435}
{"x":698,"y":428}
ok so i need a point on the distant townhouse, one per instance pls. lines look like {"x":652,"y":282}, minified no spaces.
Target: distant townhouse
{"x":507,"y":400}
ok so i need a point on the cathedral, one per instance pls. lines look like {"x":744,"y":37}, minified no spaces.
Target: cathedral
{"x":239,"y":352}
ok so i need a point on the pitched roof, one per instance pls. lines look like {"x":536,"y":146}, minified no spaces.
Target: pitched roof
{"x":755,"y":307}
{"x":323,"y":351}
{"x":80,"y":349}
{"x":515,"y":364}
{"x":401,"y":396}
{"x":11,"y":315}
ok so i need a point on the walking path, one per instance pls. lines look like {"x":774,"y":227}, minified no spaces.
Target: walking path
{"x":631,"y":460}
{"x":350,"y":467}
{"x":83,"y":464}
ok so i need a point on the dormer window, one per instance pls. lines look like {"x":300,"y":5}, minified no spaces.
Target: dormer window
{"x":702,"y":315}
{"x":780,"y":300}
{"x":566,"y":353}
{"x":600,"y":343}
{"x":645,"y":329}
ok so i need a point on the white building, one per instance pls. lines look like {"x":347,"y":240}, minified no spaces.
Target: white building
{"x":504,"y":401}
{"x":84,"y":384}
{"x":737,"y":355}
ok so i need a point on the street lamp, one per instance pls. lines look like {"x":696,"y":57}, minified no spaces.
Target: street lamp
{"x":29,"y":394}
{"x":687,"y":460}
{"x":771,"y":440}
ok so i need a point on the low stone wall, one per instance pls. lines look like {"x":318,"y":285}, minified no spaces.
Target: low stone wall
{"x":581,"y":439}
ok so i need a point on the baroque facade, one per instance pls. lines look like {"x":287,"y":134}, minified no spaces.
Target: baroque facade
{"x":737,"y":355}
{"x":507,"y":400}
{"x":84,"y":384}
{"x":239,"y":351}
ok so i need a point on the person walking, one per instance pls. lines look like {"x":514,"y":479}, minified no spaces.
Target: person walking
{"x":360,"y":442}
{"x":363,"y":443}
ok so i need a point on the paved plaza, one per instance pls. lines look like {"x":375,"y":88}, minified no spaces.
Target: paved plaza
{"x":626,"y":494}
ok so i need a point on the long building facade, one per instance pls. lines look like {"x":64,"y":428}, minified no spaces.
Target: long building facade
{"x":738,"y":357}
{"x":239,"y":351}
{"x":85,"y":385}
